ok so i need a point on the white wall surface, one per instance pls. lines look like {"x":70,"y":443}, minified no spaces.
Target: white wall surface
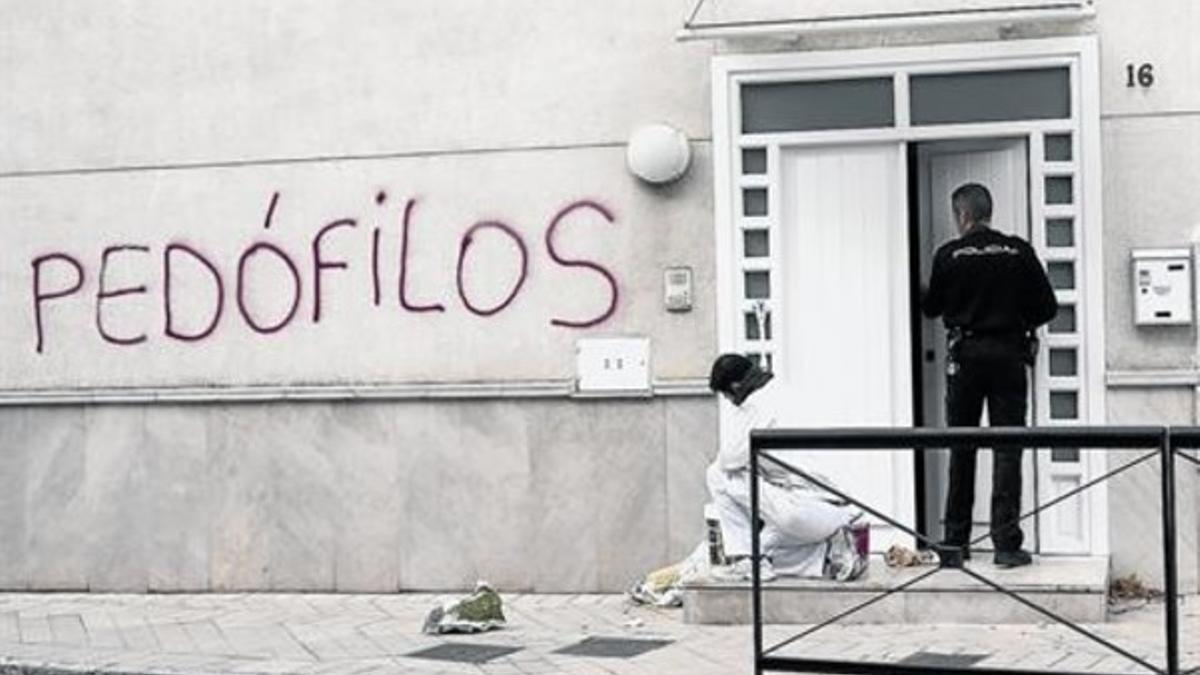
{"x":1151,"y":164}
{"x":100,"y":83}
{"x":1161,"y":34}
{"x":147,"y":123}
{"x":1151,"y":170}
{"x":220,"y":212}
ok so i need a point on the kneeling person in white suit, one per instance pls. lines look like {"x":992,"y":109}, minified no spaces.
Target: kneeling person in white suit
{"x":803,"y":529}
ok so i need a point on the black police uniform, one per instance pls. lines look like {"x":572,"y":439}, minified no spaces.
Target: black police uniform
{"x":992,"y":293}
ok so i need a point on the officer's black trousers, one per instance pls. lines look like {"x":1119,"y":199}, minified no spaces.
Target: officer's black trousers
{"x":1002,"y":383}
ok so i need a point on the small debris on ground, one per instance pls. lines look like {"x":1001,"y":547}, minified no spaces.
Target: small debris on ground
{"x":664,"y":587}
{"x":1131,"y":587}
{"x":479,"y":612}
{"x":1129,"y":593}
{"x":902,"y":556}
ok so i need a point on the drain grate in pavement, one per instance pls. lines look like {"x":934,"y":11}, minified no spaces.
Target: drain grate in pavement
{"x":619,"y":648}
{"x":935,"y":660}
{"x":463,"y":653}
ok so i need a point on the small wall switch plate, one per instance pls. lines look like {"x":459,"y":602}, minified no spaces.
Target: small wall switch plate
{"x":613,"y":365}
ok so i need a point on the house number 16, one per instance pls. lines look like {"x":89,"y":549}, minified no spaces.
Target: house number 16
{"x":1139,"y":75}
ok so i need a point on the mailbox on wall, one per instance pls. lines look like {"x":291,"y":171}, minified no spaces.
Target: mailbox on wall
{"x":1162,"y":287}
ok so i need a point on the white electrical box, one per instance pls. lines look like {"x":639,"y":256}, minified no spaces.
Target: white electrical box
{"x":677,"y":289}
{"x":1162,"y":287}
{"x":613,"y":365}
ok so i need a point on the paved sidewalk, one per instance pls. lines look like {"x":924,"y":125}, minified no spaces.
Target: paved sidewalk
{"x":379,"y":634}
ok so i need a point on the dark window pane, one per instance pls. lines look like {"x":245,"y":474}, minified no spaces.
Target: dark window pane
{"x":1058,"y":148}
{"x":1064,"y":362}
{"x":754,"y":202}
{"x":1062,"y":275}
{"x":752,"y":326}
{"x":810,"y":106}
{"x":1064,"y":405}
{"x":1059,"y":190}
{"x":754,"y":160}
{"x":766,"y":362}
{"x":758,"y":285}
{"x":756,"y":243}
{"x":1064,"y":455}
{"x":1060,"y":232}
{"x":991,"y":96}
{"x":1064,"y":322}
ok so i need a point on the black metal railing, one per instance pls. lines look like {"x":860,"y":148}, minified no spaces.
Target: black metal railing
{"x":1165,"y":443}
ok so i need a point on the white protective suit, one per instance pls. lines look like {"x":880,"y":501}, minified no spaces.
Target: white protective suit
{"x":798,"y":517}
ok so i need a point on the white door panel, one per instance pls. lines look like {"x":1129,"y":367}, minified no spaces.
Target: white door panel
{"x":845,"y":357}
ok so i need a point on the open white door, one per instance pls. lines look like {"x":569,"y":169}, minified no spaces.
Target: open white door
{"x":1001,"y":165}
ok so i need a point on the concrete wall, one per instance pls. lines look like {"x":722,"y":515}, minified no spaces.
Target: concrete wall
{"x":1135,"y":507}
{"x":149,"y":120}
{"x":1151,"y":167}
{"x":529,"y":494}
{"x":138,"y":122}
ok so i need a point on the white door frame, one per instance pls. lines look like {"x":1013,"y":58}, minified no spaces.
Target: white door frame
{"x":1079,"y":54}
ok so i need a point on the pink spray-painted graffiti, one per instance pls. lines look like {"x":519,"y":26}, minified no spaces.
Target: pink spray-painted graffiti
{"x":62,"y":275}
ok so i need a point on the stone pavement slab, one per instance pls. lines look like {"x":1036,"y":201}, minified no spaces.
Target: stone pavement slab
{"x":310,"y":634}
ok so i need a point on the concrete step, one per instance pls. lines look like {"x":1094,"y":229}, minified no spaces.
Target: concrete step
{"x":1075,"y":588}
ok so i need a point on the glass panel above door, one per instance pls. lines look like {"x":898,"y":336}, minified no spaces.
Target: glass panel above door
{"x":994,"y":96}
{"x":817,"y":106}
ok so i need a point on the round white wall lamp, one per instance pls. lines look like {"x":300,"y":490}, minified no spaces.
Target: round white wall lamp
{"x":658,"y":153}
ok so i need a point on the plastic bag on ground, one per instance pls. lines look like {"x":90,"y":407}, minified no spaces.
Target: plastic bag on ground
{"x":479,"y":612}
{"x":663,"y":587}
{"x":844,"y":561}
{"x":902,"y":556}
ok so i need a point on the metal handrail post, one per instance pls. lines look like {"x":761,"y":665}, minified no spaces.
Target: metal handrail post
{"x":1170,"y":557}
{"x":755,"y":558}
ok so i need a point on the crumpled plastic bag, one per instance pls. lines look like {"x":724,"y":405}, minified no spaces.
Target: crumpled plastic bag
{"x":843,"y":561}
{"x":902,"y":556}
{"x":479,"y":612}
{"x":663,"y":587}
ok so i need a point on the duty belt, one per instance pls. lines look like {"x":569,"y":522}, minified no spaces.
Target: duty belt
{"x":957,"y":333}
{"x":1026,"y":341}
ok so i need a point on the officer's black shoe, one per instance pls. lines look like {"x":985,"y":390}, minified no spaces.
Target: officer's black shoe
{"x":953,"y":556}
{"x":1016,"y":558}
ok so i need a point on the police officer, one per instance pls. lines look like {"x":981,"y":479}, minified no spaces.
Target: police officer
{"x":992,"y":293}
